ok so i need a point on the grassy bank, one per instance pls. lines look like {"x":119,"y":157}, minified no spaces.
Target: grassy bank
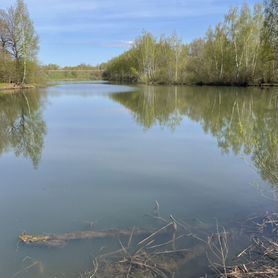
{"x":72,"y":75}
{"x":82,"y":72}
{"x":14,"y":86}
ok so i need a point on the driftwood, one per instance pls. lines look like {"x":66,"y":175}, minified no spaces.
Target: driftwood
{"x":147,"y":254}
{"x":146,"y":258}
{"x":141,"y":264}
{"x":61,"y":240}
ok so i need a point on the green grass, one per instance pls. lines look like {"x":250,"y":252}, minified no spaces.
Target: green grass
{"x":72,"y":75}
{"x":3,"y":85}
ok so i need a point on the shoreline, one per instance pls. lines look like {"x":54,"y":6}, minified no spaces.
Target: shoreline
{"x":7,"y":87}
{"x":262,"y":86}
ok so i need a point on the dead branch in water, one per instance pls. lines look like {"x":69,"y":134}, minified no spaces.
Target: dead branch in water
{"x":60,"y":240}
{"x":260,"y":259}
{"x":218,"y":251}
{"x":144,"y":260}
{"x":152,"y":256}
{"x":156,"y":253}
{"x":161,"y":253}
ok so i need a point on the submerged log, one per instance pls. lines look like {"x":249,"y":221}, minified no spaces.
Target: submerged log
{"x":60,"y":240}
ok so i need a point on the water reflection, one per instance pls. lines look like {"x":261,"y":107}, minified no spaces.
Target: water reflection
{"x":97,"y":156}
{"x":244,"y":121}
{"x":22,"y":128}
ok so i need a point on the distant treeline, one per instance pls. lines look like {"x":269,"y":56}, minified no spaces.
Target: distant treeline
{"x":19,"y":46}
{"x":241,"y":50}
{"x":54,"y":72}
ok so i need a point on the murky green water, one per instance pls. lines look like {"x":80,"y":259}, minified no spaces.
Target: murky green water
{"x":79,"y":153}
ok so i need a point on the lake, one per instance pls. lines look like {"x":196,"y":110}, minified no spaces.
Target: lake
{"x":78,"y":155}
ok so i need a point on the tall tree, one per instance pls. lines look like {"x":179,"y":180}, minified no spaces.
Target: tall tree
{"x":242,"y":50}
{"x":146,"y":46}
{"x":271,"y":20}
{"x":270,"y":41}
{"x":18,"y":37}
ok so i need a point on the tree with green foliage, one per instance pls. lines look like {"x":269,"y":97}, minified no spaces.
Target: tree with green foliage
{"x":270,"y":41}
{"x":146,"y":49}
{"x":19,"y":41}
{"x":271,"y":21}
{"x":241,"y":50}
{"x":124,"y":68}
{"x":150,"y":61}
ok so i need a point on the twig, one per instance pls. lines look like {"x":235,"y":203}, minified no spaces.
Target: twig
{"x":244,"y":251}
{"x":155,"y":233}
{"x":95,"y":263}
{"x":166,"y":243}
{"x":170,"y":252}
{"x":130,"y":238}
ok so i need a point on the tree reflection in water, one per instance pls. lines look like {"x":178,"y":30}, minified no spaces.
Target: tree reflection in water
{"x":22,"y":128}
{"x":243,"y":120}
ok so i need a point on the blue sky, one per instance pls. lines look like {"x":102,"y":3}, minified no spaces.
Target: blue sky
{"x":93,"y":31}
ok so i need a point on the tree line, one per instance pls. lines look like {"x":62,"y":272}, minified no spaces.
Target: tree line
{"x":19,"y":45}
{"x":241,"y":50}
{"x":53,"y":72}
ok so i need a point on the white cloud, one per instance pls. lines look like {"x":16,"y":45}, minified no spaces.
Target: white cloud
{"x":120,"y":44}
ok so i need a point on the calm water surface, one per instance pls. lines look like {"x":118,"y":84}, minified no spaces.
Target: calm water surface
{"x":79,"y":153}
